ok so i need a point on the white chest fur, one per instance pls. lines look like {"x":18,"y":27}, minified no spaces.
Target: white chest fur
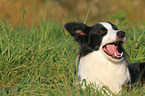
{"x":95,"y":68}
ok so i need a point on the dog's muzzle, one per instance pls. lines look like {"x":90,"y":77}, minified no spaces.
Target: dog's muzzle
{"x":114,"y":49}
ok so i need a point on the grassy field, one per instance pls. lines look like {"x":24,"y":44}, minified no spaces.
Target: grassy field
{"x":41,"y":61}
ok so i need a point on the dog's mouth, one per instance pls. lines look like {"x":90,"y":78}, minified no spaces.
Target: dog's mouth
{"x":114,"y":49}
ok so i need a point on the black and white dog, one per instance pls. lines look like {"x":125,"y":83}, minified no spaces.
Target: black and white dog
{"x":102,"y":59}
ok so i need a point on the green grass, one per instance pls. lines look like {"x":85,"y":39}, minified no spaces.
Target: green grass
{"x":41,"y":61}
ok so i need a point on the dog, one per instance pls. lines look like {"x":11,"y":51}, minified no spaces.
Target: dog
{"x":102,"y":60}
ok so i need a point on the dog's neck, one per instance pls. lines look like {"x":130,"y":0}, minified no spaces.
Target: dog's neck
{"x":94,"y":67}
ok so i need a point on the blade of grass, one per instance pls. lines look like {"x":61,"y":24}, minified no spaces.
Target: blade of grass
{"x":87,"y":16}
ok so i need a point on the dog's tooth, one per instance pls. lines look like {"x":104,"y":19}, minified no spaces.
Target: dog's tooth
{"x":122,"y":54}
{"x":115,"y":54}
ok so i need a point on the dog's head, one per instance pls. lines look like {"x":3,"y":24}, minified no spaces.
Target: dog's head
{"x":103,"y":37}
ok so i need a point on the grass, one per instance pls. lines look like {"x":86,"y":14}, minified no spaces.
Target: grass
{"x":41,"y":61}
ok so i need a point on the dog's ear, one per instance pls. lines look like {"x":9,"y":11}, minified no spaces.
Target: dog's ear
{"x":77,"y":29}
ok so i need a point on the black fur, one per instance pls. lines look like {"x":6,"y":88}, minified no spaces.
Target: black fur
{"x":137,"y":72}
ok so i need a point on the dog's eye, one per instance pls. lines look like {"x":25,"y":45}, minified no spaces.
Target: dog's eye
{"x":103,"y":32}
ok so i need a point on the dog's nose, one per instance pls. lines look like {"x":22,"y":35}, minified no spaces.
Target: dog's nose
{"x":121,"y":34}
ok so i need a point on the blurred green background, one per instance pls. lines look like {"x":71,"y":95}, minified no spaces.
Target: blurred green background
{"x":31,"y":12}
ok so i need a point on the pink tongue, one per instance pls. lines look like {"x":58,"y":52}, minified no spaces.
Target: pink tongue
{"x":112,"y":50}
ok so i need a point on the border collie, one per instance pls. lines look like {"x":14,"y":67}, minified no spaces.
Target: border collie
{"x":102,"y":59}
